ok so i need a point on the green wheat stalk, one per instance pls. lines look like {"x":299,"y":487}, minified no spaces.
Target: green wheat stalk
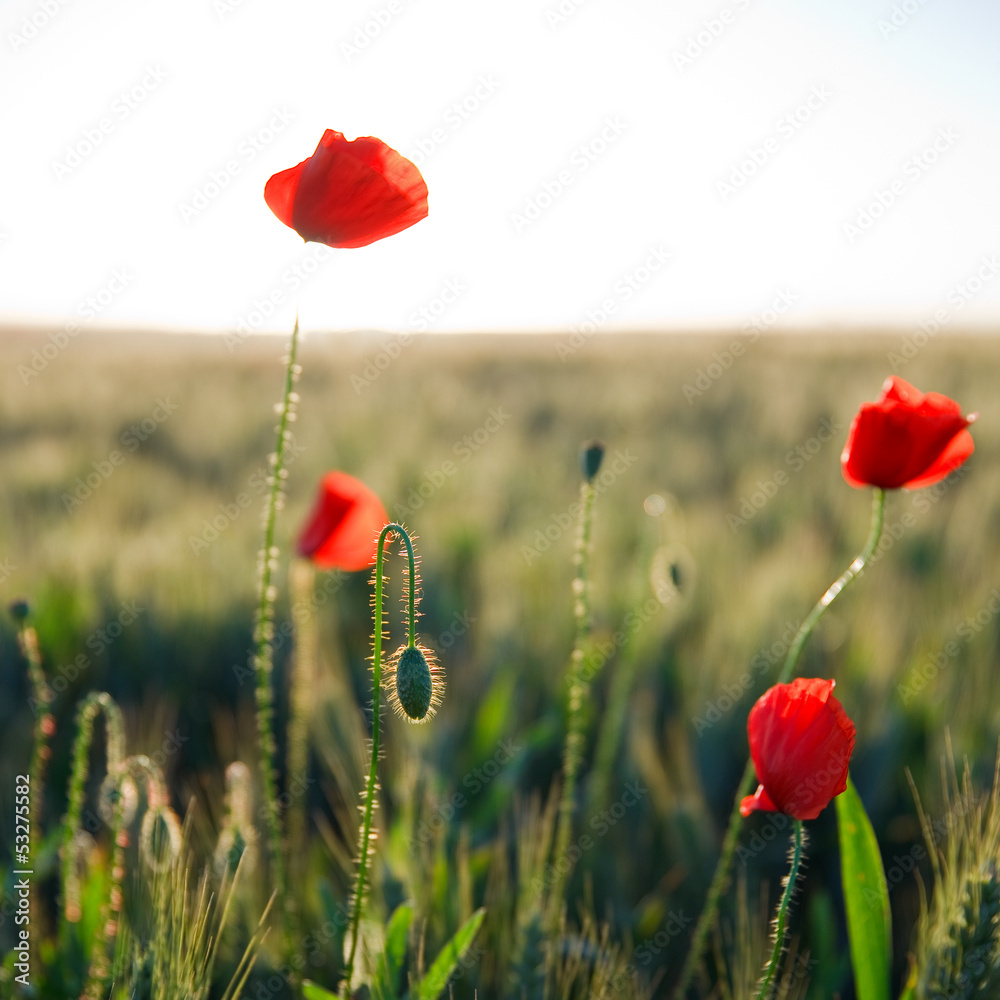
{"x":958,"y":951}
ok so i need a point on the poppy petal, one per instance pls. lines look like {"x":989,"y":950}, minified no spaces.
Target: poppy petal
{"x":801,"y":742}
{"x":349,"y":193}
{"x":342,"y":529}
{"x":759,"y":800}
{"x":905,"y":439}
{"x":958,"y":450}
{"x":279,"y":192}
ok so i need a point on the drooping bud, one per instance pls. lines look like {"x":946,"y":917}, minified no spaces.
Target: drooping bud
{"x":591,"y":456}
{"x":415,"y":683}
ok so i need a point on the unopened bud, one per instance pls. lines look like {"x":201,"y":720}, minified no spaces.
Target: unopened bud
{"x":591,"y":455}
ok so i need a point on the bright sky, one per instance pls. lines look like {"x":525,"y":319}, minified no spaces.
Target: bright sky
{"x":645,"y":164}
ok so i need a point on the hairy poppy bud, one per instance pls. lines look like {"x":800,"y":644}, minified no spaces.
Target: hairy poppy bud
{"x":19,"y":610}
{"x":415,"y":683}
{"x":591,"y":456}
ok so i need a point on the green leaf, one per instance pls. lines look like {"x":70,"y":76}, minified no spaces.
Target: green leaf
{"x":313,"y":992}
{"x":390,"y":964}
{"x":433,"y":984}
{"x":866,"y":895}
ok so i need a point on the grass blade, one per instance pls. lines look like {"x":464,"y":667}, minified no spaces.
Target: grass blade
{"x":866,"y":895}
{"x":433,"y":984}
{"x":312,"y":991}
{"x":386,"y":985}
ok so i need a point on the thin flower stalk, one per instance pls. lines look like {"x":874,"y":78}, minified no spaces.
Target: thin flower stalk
{"x":94,"y":704}
{"x":579,"y":687}
{"x":45,"y":726}
{"x":264,"y":626}
{"x":367,"y":832}
{"x":781,"y":919}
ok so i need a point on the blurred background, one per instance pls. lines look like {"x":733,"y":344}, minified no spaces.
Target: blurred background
{"x":717,"y":228}
{"x":719,"y":522}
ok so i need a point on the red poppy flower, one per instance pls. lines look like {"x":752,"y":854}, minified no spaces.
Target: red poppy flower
{"x":906,"y":439}
{"x":342,"y":530}
{"x":349,"y":193}
{"x":801,"y":742}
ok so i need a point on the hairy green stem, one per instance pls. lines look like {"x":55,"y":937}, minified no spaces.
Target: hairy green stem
{"x":27,"y":639}
{"x":364,"y":848}
{"x":94,"y":703}
{"x":721,"y":877}
{"x":264,"y":627}
{"x":579,"y":686}
{"x":764,"y":992}
{"x":137,"y":768}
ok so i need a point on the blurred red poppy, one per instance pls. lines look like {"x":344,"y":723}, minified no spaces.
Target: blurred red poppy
{"x":801,"y":742}
{"x":342,"y":530}
{"x":349,"y":193}
{"x":906,"y":439}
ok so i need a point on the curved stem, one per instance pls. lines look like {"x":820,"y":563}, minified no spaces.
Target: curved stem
{"x":366,"y":825}
{"x":114,"y":741}
{"x":721,"y":877}
{"x":779,"y":923}
{"x":264,"y":628}
{"x":837,"y":587}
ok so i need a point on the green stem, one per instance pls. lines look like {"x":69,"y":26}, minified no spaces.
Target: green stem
{"x":721,"y":877}
{"x":852,"y":571}
{"x":27,"y":639}
{"x":779,"y":924}
{"x":364,"y":849}
{"x":264,"y":627}
{"x":579,"y":687}
{"x":137,"y":768}
{"x":94,"y":703}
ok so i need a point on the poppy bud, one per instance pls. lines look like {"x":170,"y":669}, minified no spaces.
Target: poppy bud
{"x":19,"y":610}
{"x":591,"y":456}
{"x":415,"y":683}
